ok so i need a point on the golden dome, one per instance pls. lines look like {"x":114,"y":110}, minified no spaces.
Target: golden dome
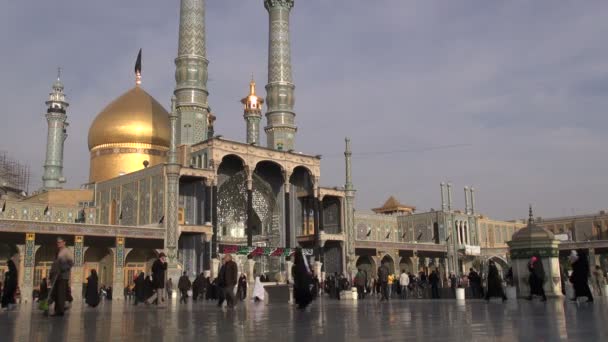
{"x":133,"y":118}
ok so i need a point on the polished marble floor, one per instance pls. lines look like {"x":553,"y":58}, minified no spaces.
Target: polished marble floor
{"x":324,"y":320}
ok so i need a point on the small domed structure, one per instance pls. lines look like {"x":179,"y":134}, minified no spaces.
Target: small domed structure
{"x":532,"y":232}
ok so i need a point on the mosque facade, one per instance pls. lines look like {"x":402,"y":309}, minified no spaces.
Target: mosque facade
{"x":162,"y":180}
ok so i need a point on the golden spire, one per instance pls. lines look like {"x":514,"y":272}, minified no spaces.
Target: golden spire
{"x":252,"y":86}
{"x":138,"y":69}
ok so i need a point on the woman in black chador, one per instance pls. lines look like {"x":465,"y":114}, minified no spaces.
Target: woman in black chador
{"x":494,"y":283}
{"x":10,"y":283}
{"x":140,"y":288}
{"x":302,"y":280}
{"x":580,"y":275}
{"x":92,"y":292}
{"x":536,"y":279}
{"x":242,"y":287}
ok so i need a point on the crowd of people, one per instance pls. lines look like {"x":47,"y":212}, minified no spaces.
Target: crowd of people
{"x":229,"y":287}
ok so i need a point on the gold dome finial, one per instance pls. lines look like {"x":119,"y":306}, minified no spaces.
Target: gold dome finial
{"x":138,"y":69}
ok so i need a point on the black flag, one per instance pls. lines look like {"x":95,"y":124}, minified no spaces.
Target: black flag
{"x":46,"y":210}
{"x":120,"y":216}
{"x":419,"y":236}
{"x":162,"y":219}
{"x":138,"y":63}
{"x":3,"y":207}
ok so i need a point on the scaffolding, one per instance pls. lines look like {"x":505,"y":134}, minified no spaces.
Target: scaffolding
{"x":13,"y":174}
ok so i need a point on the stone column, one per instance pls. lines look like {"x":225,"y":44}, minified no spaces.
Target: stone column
{"x":415,"y":263}
{"x":76,"y":276}
{"x":29,"y":252}
{"x":250,"y":266}
{"x":317,"y":268}
{"x":208,"y":200}
{"x":287,"y":217}
{"x":214,"y":247}
{"x":215,"y":268}
{"x":249,"y":209}
{"x":315,"y":218}
{"x":288,"y":266}
{"x":593,"y":260}
{"x":118,"y":283}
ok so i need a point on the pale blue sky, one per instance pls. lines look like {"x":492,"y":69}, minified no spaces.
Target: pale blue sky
{"x":520,"y":86}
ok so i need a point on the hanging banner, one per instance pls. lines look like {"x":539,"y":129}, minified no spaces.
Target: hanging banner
{"x":262,"y":251}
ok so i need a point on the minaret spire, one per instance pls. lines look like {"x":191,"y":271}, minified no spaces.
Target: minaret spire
{"x":281,"y":128}
{"x":253,"y":114}
{"x":347,"y":157}
{"x":56,"y":134}
{"x":349,"y":210}
{"x":191,"y":74}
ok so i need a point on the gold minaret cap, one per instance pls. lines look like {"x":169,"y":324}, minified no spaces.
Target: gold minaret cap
{"x":252,"y":101}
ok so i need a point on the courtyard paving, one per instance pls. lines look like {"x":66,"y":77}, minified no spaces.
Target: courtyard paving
{"x":324,"y":320}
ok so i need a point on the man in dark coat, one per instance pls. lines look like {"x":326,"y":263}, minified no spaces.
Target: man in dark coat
{"x":198,"y":287}
{"x":494,"y":283}
{"x":434,"y":280}
{"x":60,"y":276}
{"x":475,"y":282}
{"x":360,"y":281}
{"x":183,"y":285}
{"x":92,"y":291}
{"x":159,"y":269}
{"x":140,"y":288}
{"x":383,"y":280}
{"x":228,"y":278}
{"x":580,"y":275}
{"x":536,"y":278}
{"x":10,"y":283}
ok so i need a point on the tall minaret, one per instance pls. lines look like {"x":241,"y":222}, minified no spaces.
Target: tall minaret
{"x":57,"y":133}
{"x":280,"y":99}
{"x":350,"y":211}
{"x":191,"y":74}
{"x":253,"y":114}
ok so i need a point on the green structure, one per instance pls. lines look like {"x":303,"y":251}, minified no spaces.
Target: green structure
{"x":191,"y":75}
{"x":281,"y":128}
{"x":530,"y":241}
{"x":56,"y":117}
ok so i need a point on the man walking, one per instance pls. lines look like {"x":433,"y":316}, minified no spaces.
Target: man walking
{"x":184,"y":285}
{"x":404,"y":281}
{"x":383,"y":279}
{"x":434,"y":280}
{"x":159,"y":269}
{"x":228,"y":280}
{"x":60,"y":276}
{"x":360,"y":282}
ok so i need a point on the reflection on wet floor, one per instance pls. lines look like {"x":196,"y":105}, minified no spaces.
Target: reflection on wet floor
{"x":324,"y":320}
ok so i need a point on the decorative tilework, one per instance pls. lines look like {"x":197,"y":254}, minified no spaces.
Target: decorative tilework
{"x":120,"y":251}
{"x":78,"y":250}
